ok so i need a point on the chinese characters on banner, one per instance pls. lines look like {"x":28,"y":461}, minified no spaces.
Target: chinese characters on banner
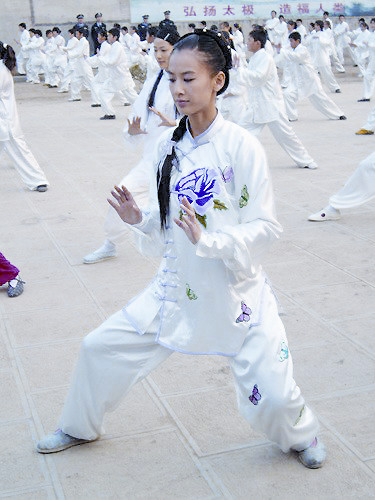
{"x":188,"y":10}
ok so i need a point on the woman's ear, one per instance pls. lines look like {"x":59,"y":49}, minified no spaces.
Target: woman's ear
{"x":219,"y":81}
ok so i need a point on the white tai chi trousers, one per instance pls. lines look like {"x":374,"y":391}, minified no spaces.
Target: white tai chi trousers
{"x":327,"y":77}
{"x":24,"y":161}
{"x":113,"y":358}
{"x":21,"y":62}
{"x":285,"y":136}
{"x":83,"y":75}
{"x":108,"y":91}
{"x":369,"y":80}
{"x":370,"y":124}
{"x":359,"y":188}
{"x":319,"y":100}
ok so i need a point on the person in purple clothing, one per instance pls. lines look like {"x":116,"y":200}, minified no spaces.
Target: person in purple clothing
{"x":10,"y":274}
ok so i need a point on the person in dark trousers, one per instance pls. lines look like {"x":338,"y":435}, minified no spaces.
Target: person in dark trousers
{"x":80,"y":24}
{"x":167,"y":23}
{"x":96,"y":28}
{"x":143,"y":27}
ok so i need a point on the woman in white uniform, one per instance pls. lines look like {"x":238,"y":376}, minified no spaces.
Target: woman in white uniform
{"x":11,"y":137}
{"x":212,"y":230}
{"x":152,"y":112}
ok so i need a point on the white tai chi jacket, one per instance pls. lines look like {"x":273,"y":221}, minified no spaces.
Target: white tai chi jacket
{"x":78,"y":56}
{"x":96,"y":62}
{"x":341,"y":31}
{"x":270,"y":27}
{"x":24,"y":40}
{"x":117,"y":65}
{"x":209,"y":294}
{"x":9,"y":122}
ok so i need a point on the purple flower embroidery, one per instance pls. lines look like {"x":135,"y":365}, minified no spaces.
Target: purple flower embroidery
{"x":199,"y":187}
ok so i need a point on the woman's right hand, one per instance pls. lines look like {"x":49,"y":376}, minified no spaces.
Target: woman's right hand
{"x":135,"y":126}
{"x":126,"y":207}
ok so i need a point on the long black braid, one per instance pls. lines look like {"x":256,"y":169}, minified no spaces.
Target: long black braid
{"x":218,"y":57}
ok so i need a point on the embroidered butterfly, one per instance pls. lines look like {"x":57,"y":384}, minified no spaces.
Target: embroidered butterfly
{"x":284,"y":352}
{"x":189,"y":292}
{"x":244,"y":198}
{"x":300,"y":415}
{"x":245,"y":314}
{"x":227,"y":174}
{"x":255,"y":396}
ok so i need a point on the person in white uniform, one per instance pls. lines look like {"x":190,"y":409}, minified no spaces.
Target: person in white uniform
{"x":369,"y":75}
{"x":60,"y":58}
{"x":95,"y":61}
{"x":36,"y":56}
{"x":281,"y":34}
{"x":119,"y":77}
{"x":358,"y":189}
{"x":360,"y":48}
{"x":271,"y":25}
{"x":82,"y":72}
{"x":341,"y":32}
{"x":70,"y":63}
{"x":23,"y":54}
{"x":320,"y":52}
{"x":369,"y":127}
{"x":332,"y":48}
{"x":12,"y":140}
{"x":305,"y":82}
{"x":266,"y":102}
{"x":152,"y":113}
{"x":210,"y":255}
{"x":301,"y":29}
{"x":49,"y":50}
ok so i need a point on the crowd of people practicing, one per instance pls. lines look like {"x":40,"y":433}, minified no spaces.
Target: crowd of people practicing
{"x":200,"y":196}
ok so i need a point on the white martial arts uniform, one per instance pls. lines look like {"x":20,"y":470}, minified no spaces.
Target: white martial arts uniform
{"x":138,"y":179}
{"x":266,"y":107}
{"x":59,"y":61}
{"x":82,"y":74}
{"x":36,"y":58}
{"x":281,"y":34}
{"x":209,"y":298}
{"x":69,"y":68}
{"x":320,"y":52}
{"x":333,"y":51}
{"x":270,"y":27}
{"x":96,"y":62}
{"x":150,"y":62}
{"x":302,"y":31}
{"x":361,"y":51}
{"x":341,"y":31}
{"x":23,"y":54}
{"x":369,"y":75}
{"x":119,"y":78}
{"x":11,"y":137}
{"x":49,"y":50}
{"x":305,"y":82}
{"x":232,"y":104}
{"x":370,"y":124}
{"x":359,"y":188}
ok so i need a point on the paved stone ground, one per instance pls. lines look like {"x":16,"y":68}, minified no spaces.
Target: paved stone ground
{"x":178,"y":434}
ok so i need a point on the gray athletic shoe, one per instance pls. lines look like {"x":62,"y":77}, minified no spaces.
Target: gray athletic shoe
{"x":314,"y":456}
{"x":58,"y":441}
{"x":15,"y":287}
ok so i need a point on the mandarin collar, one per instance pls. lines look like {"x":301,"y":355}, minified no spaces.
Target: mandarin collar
{"x":207,"y":135}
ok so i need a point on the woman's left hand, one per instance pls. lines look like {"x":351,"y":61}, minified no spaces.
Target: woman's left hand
{"x":189,"y":222}
{"x":165,"y":121}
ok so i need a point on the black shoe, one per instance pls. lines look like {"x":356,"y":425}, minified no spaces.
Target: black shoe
{"x":363,"y":100}
{"x":342,"y":117}
{"x":42,"y":188}
{"x":338,"y":91}
{"x":127,"y":104}
{"x":95,"y":105}
{"x":108,"y":117}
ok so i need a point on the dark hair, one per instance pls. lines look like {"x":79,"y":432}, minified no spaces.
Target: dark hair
{"x":8,"y":56}
{"x":372,"y":20}
{"x":125,"y":28}
{"x":134,"y":28}
{"x":38,"y":32}
{"x":117,"y":25}
{"x":292,"y":23}
{"x":32,"y":30}
{"x":218,"y":57}
{"x":273,"y":11}
{"x":192,"y":25}
{"x":214,"y":28}
{"x":312,"y":25}
{"x":328,"y":24}
{"x":295,"y":36}
{"x":72,"y":31}
{"x":225,"y":23}
{"x":23,"y":25}
{"x":55,"y":28}
{"x":281,"y":16}
{"x":363,"y":24}
{"x":48,"y":32}
{"x":115,"y":32}
{"x":228,"y":40}
{"x":168,"y":34}
{"x":300,"y":20}
{"x":236,"y":25}
{"x":81,"y":30}
{"x":342,"y":15}
{"x":152,"y":30}
{"x":259,"y":35}
{"x":361,"y":19}
{"x":326,"y":13}
{"x":320,"y":23}
{"x":203,"y":23}
{"x":103,"y":32}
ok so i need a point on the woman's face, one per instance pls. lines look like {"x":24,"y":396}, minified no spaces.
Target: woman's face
{"x":192,"y":84}
{"x":163,"y":50}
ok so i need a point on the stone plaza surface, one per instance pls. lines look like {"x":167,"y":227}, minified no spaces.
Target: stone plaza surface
{"x":178,"y":434}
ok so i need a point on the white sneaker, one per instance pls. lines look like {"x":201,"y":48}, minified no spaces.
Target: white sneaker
{"x":328,"y":213}
{"x":101,"y":253}
{"x":58,"y":441}
{"x":314,"y":456}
